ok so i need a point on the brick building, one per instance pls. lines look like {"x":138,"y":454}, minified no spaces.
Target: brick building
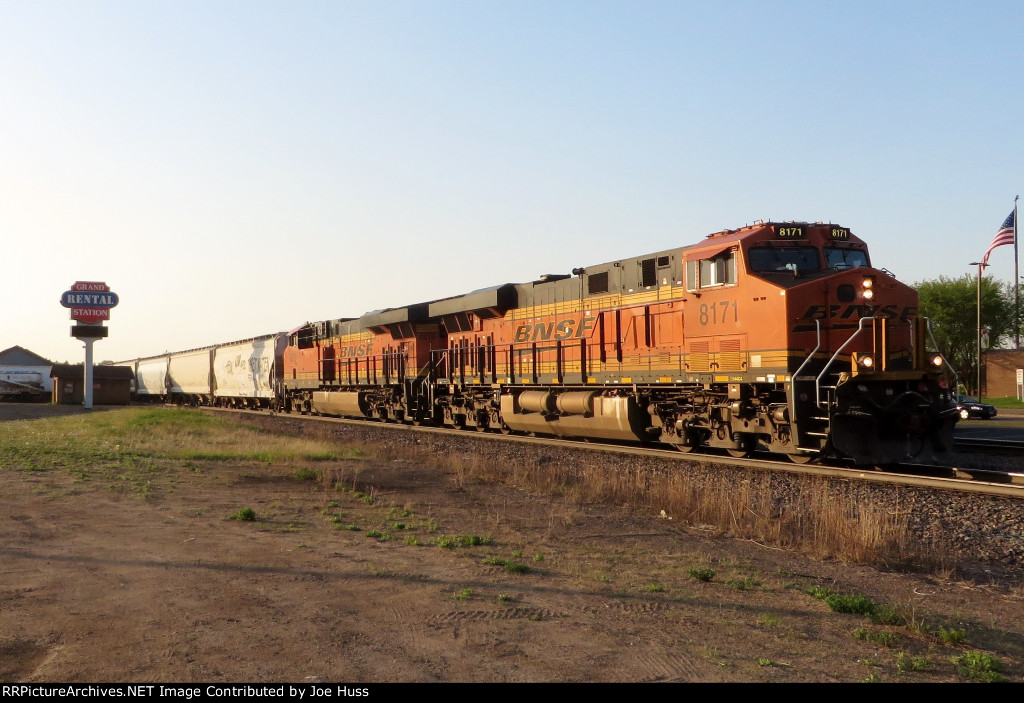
{"x":1000,"y":377}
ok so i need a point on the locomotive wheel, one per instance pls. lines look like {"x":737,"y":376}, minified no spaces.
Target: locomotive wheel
{"x":800,"y":458}
{"x":746,"y":448}
{"x":684,"y":448}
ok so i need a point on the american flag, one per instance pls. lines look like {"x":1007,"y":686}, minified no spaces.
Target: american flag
{"x":1007,"y":234}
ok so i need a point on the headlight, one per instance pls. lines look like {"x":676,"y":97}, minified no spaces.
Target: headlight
{"x":867,"y":361}
{"x":937,"y":360}
{"x":869,"y":294}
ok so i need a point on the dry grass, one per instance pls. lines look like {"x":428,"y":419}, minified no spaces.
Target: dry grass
{"x":806,"y":515}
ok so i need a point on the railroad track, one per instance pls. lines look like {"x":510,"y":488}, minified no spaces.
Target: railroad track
{"x":997,"y":447}
{"x":966,"y":480}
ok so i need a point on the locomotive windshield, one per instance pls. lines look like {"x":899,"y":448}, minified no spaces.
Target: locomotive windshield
{"x":845,"y":258}
{"x":784,"y":259}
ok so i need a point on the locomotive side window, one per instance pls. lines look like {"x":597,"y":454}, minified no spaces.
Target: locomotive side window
{"x":719,"y":270}
{"x":784,"y":259}
{"x":845,"y":258}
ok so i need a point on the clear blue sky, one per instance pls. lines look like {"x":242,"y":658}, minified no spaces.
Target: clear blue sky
{"x":238,"y":168}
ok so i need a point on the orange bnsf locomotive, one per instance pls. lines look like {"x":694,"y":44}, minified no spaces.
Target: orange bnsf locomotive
{"x":776,"y":336}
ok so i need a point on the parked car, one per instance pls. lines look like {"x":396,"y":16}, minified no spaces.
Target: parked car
{"x":968,"y":407}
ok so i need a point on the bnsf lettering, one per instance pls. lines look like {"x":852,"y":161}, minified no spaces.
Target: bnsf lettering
{"x":356,"y":350}
{"x":563,"y":329}
{"x":891,"y":312}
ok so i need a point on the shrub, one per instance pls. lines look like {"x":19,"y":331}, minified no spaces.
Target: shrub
{"x":246,"y":514}
{"x":701,"y":573}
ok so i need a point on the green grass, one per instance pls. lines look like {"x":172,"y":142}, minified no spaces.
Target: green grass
{"x":453,"y":541}
{"x":1008,"y":402}
{"x":513,"y":567}
{"x":979,"y":666}
{"x":906,"y":662}
{"x":952,"y":636}
{"x":142,"y":449}
{"x":854,"y":604}
{"x":886,"y":639}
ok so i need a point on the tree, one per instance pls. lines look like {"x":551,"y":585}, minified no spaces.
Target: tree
{"x":952,"y":306}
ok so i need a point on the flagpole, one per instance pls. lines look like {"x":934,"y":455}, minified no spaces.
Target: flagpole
{"x":1016,"y":281}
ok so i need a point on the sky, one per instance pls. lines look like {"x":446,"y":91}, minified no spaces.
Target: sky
{"x":237,"y":168}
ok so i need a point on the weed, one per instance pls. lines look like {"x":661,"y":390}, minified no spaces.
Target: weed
{"x":352,"y":528}
{"x":412,"y":540}
{"x":762,"y":661}
{"x":510,"y":566}
{"x":769,"y":620}
{"x":432,"y":525}
{"x":305,"y":474}
{"x":743,"y":584}
{"x":701,"y":573}
{"x":872,"y":678}
{"x":474,"y":540}
{"x":378,"y":535}
{"x":245,"y":514}
{"x":905,"y":662}
{"x":399,"y":526}
{"x":979,"y":666}
{"x":518,"y":553}
{"x":453,"y":541}
{"x":952,"y":636}
{"x":654,"y":588}
{"x":819,"y":592}
{"x":855,"y":604}
{"x":506,"y":598}
{"x":464,"y":594}
{"x":888,"y":615}
{"x":333,"y":504}
{"x":538,"y":558}
{"x":886,"y":639}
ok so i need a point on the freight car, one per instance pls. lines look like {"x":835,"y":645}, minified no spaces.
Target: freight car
{"x":777,"y":336}
{"x":246,"y":373}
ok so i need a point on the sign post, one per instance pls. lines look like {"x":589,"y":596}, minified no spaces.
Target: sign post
{"x":90,"y":303}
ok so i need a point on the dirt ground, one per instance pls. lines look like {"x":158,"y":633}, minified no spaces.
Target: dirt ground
{"x":97,"y":584}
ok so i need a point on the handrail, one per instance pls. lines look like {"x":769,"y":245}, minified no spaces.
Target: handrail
{"x":792,"y":395}
{"x":817,"y":381}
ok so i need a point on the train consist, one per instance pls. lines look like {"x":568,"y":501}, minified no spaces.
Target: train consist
{"x":776,"y":336}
